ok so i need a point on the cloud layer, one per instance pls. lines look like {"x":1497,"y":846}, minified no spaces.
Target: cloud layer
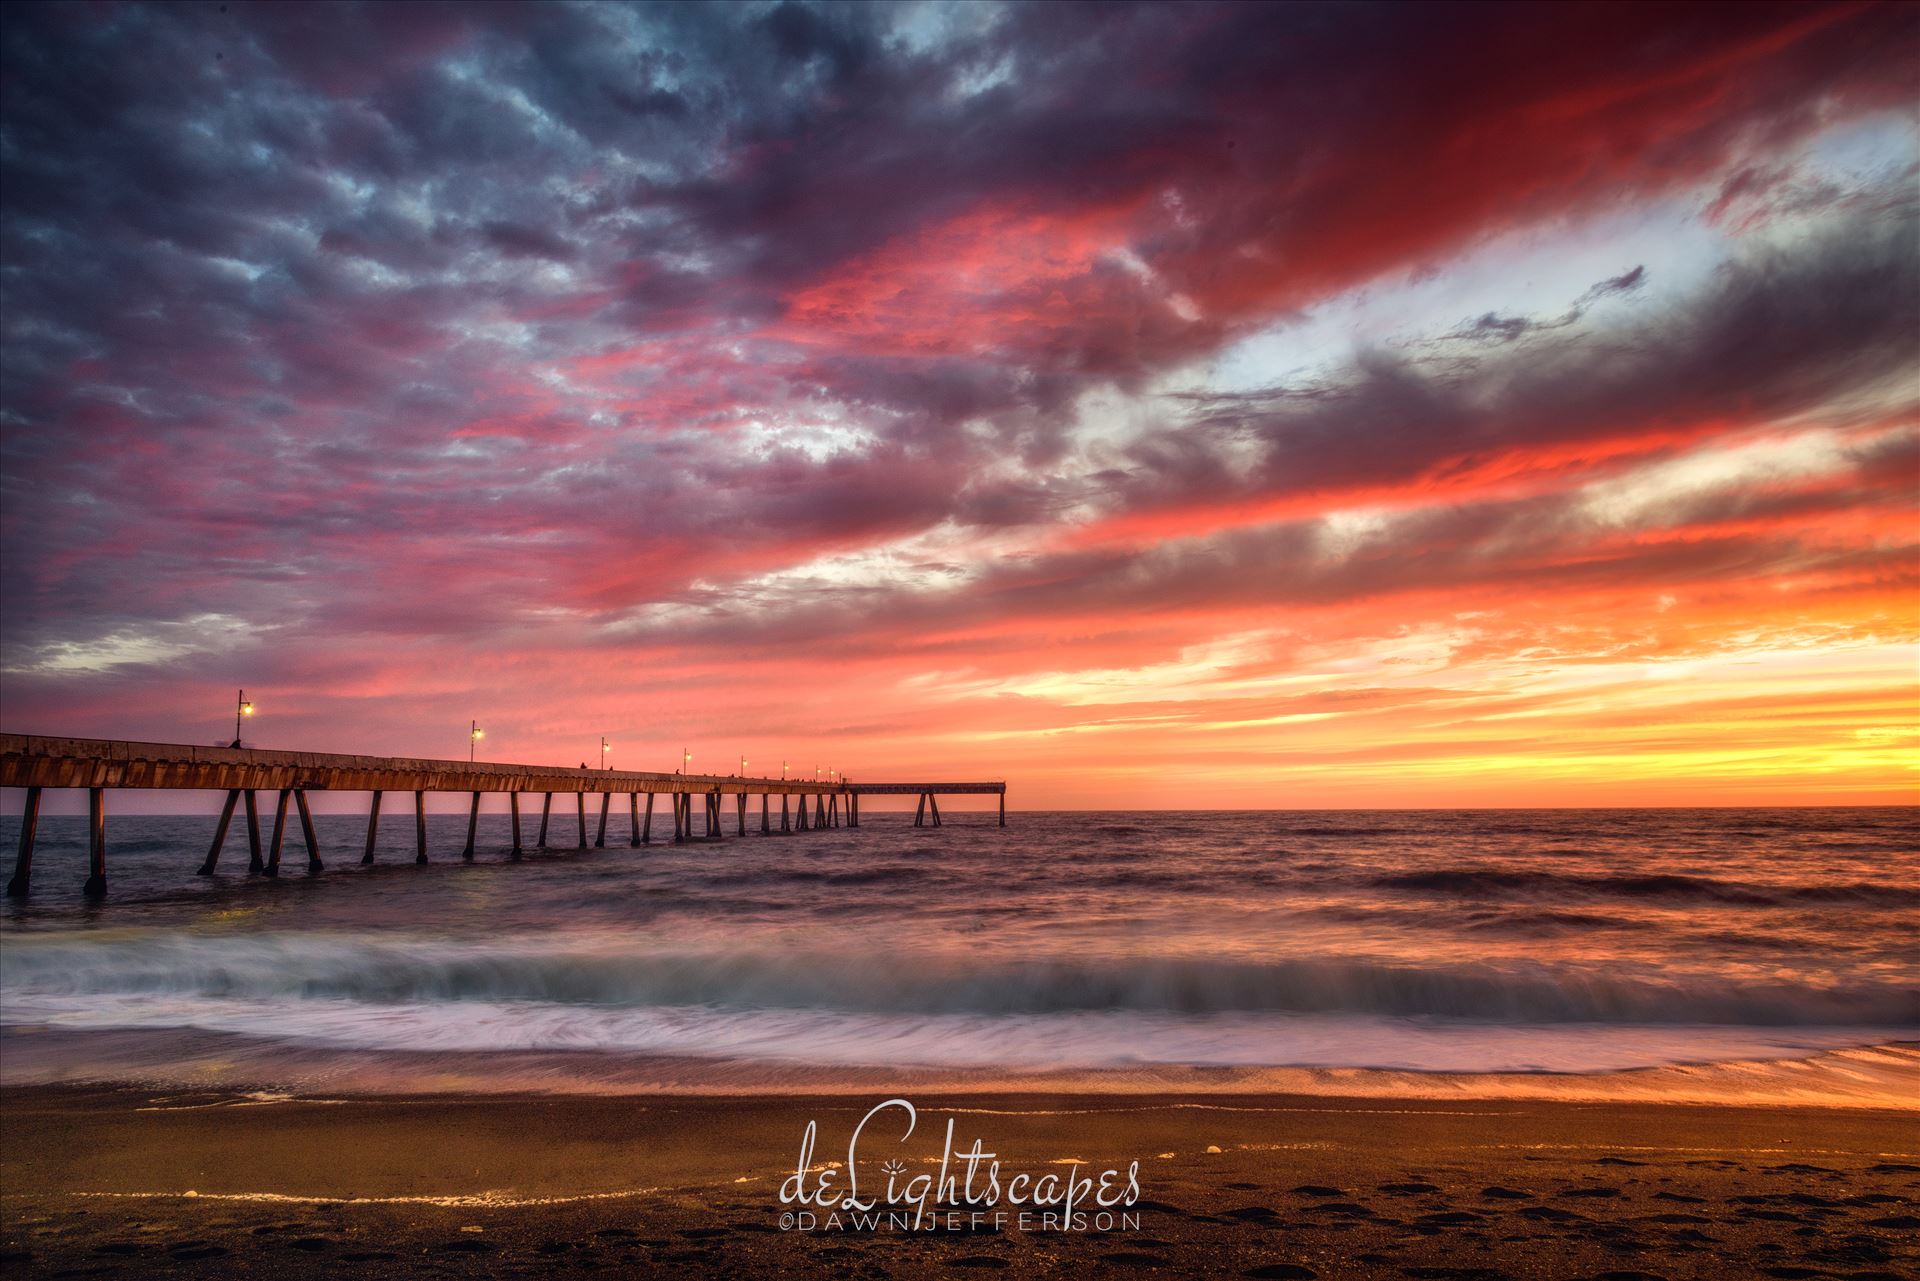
{"x":1401,"y":404}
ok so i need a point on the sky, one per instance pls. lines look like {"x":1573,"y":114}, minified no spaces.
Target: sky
{"x":1154,"y":406}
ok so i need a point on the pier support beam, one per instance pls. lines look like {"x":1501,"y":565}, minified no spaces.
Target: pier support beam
{"x":766,"y":822}
{"x":23,"y":860}
{"x":920,"y":811}
{"x":255,"y":866}
{"x":96,"y":886}
{"x":1003,"y":808}
{"x":606,"y":802}
{"x":633,"y":819}
{"x":933,"y":808}
{"x":820,"y":810}
{"x":373,"y":828}
{"x":219,"y":831}
{"x":546,"y":808}
{"x":646,"y":824}
{"x":279,"y":831}
{"x":306,"y":831}
{"x":742,"y":798}
{"x":420,"y":827}
{"x":513,"y":806}
{"x":853,"y":809}
{"x":473,"y":827}
{"x":581,"y":797}
{"x":785,"y":825}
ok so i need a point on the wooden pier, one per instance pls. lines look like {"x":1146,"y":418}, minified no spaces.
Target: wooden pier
{"x":35,"y":762}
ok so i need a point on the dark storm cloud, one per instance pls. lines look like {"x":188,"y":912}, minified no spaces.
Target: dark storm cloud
{"x":328,"y":317}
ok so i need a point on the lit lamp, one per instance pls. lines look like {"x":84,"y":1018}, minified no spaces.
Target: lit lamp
{"x":241,"y":707}
{"x":474,"y":735}
{"x":605,"y":747}
{"x":686,"y":759}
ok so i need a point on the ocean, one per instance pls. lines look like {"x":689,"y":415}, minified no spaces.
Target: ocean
{"x":1232,"y":950}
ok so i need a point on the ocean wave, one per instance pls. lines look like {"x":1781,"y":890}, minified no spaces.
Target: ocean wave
{"x":607,"y":971}
{"x":1671,"y":887}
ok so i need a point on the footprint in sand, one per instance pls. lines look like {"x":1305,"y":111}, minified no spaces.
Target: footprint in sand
{"x":1252,"y":1213}
{"x":1281,"y":1272}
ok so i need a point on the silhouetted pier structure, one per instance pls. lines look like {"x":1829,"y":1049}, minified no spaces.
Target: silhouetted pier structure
{"x":36,"y":762}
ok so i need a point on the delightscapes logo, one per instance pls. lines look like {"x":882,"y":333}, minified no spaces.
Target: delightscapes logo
{"x":960,"y":1190}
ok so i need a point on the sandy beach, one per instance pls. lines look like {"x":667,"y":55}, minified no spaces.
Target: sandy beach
{"x":101,"y":1181}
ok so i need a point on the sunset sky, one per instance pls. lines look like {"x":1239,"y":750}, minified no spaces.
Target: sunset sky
{"x":1215,"y":406}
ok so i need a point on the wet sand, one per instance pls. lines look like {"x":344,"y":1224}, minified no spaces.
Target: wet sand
{"x":114,"y":1181}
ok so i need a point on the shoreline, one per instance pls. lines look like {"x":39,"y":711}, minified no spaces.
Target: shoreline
{"x":1881,"y":1077}
{"x":1233,"y":1184}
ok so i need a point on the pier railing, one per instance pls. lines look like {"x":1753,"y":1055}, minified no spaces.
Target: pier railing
{"x":35,"y":762}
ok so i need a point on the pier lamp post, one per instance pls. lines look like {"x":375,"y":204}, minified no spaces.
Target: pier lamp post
{"x":743,"y":767}
{"x":783,"y":771}
{"x":605,"y":747}
{"x":474,"y":735}
{"x":686,"y":759}
{"x":241,"y":707}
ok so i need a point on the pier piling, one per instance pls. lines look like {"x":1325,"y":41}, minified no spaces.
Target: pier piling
{"x":513,"y":805}
{"x":420,"y":827}
{"x":306,"y":832}
{"x":96,"y":886}
{"x":219,"y":831}
{"x":373,"y":828}
{"x":546,"y":808}
{"x":606,"y":802}
{"x":279,"y":831}
{"x":473,"y":827}
{"x":646,"y":824}
{"x":633,"y":819}
{"x":255,"y":866}
{"x":23,"y":859}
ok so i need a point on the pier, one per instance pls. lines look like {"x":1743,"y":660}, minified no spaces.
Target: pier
{"x":36,"y":762}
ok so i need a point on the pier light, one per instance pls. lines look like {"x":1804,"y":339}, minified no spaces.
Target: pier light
{"x":241,"y":707}
{"x":743,"y":767}
{"x":605,"y":747}
{"x":474,"y":735}
{"x":783,"y":771}
{"x":686,"y":759}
